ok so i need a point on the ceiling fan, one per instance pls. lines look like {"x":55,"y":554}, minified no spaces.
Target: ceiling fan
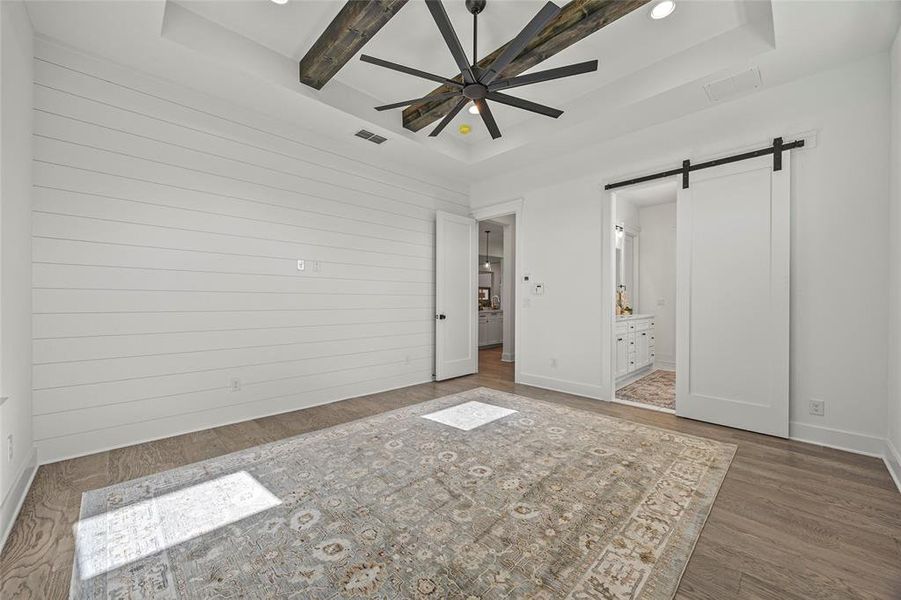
{"x":479,"y":86}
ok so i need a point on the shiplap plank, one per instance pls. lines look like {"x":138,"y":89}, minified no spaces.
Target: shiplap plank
{"x":72,"y":398}
{"x":95,"y":371}
{"x":65,"y":325}
{"x":104,"y":229}
{"x":99,"y":254}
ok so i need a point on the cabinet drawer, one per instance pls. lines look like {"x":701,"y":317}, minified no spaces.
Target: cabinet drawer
{"x":622,"y":327}
{"x":642,"y":325}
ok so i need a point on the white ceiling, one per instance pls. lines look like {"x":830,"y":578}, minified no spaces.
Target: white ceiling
{"x":246,"y":51}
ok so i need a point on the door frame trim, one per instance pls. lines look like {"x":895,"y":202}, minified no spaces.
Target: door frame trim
{"x":511,"y":207}
{"x":608,"y":279}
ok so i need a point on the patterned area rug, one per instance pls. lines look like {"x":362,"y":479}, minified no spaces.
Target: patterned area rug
{"x":657,"y":389}
{"x":499,"y":497}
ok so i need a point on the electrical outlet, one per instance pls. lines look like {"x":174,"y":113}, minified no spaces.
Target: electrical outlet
{"x":300,"y":264}
{"x":234,"y":384}
{"x":818,"y":408}
{"x":10,"y":448}
{"x":317,"y":266}
{"x":554,"y":363}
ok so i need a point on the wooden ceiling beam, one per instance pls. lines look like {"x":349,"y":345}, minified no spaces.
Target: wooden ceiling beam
{"x":576,"y":21}
{"x":356,"y":23}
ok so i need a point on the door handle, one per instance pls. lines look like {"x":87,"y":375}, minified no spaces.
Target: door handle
{"x":441,"y":316}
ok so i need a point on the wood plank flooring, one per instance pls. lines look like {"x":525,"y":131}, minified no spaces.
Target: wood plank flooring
{"x":792,"y":521}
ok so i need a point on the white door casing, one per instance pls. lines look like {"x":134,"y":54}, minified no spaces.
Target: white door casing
{"x":732,"y":280}
{"x":456,"y":293}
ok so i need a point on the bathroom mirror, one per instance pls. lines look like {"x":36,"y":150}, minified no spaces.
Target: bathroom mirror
{"x":627,"y":263}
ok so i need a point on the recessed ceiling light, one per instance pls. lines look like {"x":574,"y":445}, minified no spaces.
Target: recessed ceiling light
{"x":280,"y":1}
{"x":661,"y":10}
{"x":473,"y":110}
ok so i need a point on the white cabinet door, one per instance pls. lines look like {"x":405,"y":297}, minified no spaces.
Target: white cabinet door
{"x":733,"y":260}
{"x":495,"y":329}
{"x":483,"y":330}
{"x":622,"y":355}
{"x":642,"y":349}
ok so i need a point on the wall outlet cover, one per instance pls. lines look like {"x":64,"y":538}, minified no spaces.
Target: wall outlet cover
{"x":300,"y":265}
{"x":818,"y":408}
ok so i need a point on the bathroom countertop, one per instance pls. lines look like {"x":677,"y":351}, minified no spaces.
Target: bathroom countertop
{"x":629,"y":317}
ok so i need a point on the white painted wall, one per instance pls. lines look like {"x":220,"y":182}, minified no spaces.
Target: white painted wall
{"x":16,"y":43}
{"x":627,"y":213}
{"x":893,"y":450}
{"x":839,"y":242}
{"x":657,"y":276}
{"x":167,"y":225}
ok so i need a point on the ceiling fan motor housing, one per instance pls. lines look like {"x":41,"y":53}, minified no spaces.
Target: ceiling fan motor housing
{"x":475,"y":6}
{"x":475,"y":91}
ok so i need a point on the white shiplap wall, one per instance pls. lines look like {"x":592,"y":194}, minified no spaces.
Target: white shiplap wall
{"x":166,"y":235}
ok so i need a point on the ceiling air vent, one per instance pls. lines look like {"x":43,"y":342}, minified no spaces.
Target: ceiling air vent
{"x":372,"y":137}
{"x":733,"y":86}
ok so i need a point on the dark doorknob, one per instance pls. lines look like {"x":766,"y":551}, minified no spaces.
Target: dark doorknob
{"x":441,"y":316}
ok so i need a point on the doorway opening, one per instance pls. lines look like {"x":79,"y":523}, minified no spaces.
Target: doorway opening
{"x":644,"y":328}
{"x":496,"y":297}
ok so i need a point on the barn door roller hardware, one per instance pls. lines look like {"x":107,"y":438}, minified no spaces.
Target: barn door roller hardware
{"x":776,"y":150}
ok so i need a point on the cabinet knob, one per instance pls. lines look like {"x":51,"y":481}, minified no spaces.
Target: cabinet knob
{"x":644,"y":333}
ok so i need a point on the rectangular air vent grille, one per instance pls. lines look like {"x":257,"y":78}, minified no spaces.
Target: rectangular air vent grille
{"x":733,"y":86}
{"x":372,"y":137}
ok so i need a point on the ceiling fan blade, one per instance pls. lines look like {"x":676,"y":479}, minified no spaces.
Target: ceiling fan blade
{"x":449,"y":117}
{"x":488,"y":118}
{"x":525,"y":104}
{"x":450,"y":38}
{"x":547,"y":75}
{"x":410,"y":71}
{"x":444,"y":96}
{"x":516,"y":46}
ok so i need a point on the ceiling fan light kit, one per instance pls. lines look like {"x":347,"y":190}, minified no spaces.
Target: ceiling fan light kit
{"x":479,"y":86}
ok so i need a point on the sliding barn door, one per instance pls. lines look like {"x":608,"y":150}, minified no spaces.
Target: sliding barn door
{"x":732,"y":333}
{"x":456,"y":296}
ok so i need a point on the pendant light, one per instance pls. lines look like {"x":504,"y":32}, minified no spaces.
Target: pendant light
{"x":487,"y":262}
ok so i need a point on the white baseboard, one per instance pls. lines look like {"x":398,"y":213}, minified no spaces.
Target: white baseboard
{"x":850,"y":441}
{"x":892,"y":458}
{"x":12,"y":504}
{"x":665,"y":365}
{"x":564,"y":385}
{"x":507,"y":357}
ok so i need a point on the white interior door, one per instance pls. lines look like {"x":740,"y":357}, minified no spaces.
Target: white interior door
{"x":456,"y":294}
{"x":732,"y":326}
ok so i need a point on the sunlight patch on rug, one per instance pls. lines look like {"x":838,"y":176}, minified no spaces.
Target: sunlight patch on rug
{"x":121,"y":536}
{"x":469,"y":415}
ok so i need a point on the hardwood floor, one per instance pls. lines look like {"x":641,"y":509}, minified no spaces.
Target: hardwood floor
{"x":792,"y":521}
